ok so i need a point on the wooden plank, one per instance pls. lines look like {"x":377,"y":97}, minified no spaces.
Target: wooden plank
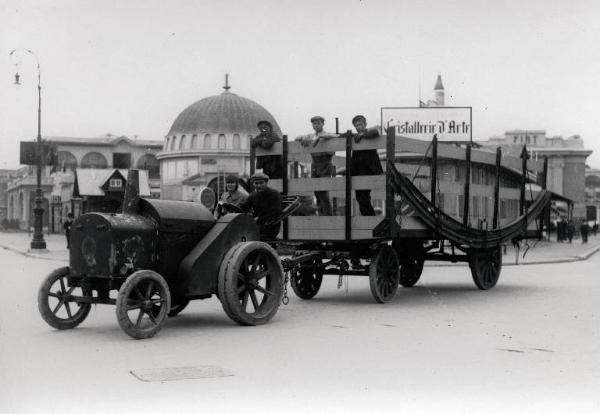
{"x":364,"y":182}
{"x":330,"y":228}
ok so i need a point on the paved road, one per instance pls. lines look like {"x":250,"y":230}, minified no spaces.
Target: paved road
{"x":443,"y":346}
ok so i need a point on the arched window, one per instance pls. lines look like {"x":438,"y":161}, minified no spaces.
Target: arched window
{"x":207,"y":142}
{"x":150,"y":163}
{"x":194,"y":144}
{"x":236,"y":141}
{"x":173,"y":139}
{"x":94,"y":160}
{"x":182,"y":142}
{"x":166,"y":146}
{"x":67,"y":161}
{"x":222,"y":144}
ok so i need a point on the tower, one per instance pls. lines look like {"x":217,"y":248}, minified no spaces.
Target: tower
{"x":439,"y":91}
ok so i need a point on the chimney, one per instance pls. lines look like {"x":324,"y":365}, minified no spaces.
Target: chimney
{"x":131,"y":197}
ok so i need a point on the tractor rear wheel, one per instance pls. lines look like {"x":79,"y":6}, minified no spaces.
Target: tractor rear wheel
{"x":251,"y":283}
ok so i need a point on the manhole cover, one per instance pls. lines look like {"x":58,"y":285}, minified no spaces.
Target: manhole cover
{"x":180,"y":373}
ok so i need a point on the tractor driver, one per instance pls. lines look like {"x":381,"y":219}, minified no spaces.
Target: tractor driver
{"x":265,"y":204}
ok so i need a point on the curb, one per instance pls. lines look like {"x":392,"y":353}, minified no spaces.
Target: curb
{"x":34,"y":255}
{"x":569,"y":259}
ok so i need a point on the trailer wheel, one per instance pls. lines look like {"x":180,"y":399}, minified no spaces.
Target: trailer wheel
{"x":142,"y":304}
{"x":410,"y":271}
{"x":307,"y":282}
{"x":56,"y":300}
{"x":177,"y":307}
{"x":485,"y":267}
{"x":384,"y":275}
{"x":251,"y":283}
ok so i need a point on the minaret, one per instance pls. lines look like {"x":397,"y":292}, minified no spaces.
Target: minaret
{"x":439,"y":91}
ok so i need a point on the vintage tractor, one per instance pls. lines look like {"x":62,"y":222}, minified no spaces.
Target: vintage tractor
{"x":158,"y":255}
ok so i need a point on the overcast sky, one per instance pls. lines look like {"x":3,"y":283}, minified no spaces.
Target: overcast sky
{"x":130,"y":67}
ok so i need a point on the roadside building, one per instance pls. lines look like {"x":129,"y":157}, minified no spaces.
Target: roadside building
{"x":74,"y":153}
{"x":566,"y":161}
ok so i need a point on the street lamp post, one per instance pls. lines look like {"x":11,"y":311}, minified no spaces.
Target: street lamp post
{"x":38,"y":241}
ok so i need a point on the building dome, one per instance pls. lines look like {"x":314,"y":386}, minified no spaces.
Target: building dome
{"x":209,"y":140}
{"x":226,"y":113}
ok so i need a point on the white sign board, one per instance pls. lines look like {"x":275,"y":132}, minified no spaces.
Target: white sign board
{"x":448,"y":123}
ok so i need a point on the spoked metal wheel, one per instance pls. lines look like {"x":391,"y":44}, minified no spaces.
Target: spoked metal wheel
{"x":251,"y":283}
{"x":485,"y":267}
{"x":410,"y":271}
{"x":307,"y":281}
{"x":143,"y":303}
{"x":58,"y":304}
{"x":384,"y":275}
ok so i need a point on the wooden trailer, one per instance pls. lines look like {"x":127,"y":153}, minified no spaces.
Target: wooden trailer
{"x":424,"y":216}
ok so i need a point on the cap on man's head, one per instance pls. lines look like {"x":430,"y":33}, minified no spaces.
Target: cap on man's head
{"x":358,"y":118}
{"x":259,"y":176}
{"x":267,"y":123}
{"x":317,"y":118}
{"x":231,"y":179}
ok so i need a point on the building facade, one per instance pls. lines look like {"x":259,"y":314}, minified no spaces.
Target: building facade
{"x":566,"y":161}
{"x":107,"y":152}
{"x":592,"y":194}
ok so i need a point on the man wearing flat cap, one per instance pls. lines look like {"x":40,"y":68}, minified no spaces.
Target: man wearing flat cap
{"x":364,"y":162}
{"x":272,"y":165}
{"x":321,"y":161}
{"x":265,"y":205}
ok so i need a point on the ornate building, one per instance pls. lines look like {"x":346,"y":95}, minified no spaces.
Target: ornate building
{"x":209,"y":138}
{"x":107,"y":152}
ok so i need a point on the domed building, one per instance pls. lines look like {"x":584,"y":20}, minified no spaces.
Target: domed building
{"x":209,"y":138}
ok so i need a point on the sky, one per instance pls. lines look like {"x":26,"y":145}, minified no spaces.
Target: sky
{"x":130,"y":67}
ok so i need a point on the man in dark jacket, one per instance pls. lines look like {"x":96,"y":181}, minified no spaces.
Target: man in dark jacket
{"x":365,"y":162}
{"x":67,"y":226}
{"x":271,"y":165}
{"x":265,"y":204}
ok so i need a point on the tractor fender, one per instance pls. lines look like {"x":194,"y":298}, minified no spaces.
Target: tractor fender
{"x":199,"y":270}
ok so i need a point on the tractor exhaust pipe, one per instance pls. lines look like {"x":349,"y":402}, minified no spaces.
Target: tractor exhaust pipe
{"x":131,"y":198}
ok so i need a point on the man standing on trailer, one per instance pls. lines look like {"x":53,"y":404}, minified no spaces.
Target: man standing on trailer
{"x":321,"y":161}
{"x":265,"y":204}
{"x":271,"y":165}
{"x":364,"y":162}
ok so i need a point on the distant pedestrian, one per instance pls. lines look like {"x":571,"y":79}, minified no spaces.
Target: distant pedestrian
{"x":67,"y":226}
{"x":584,"y":229}
{"x":570,"y":231}
{"x":595,"y":229}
